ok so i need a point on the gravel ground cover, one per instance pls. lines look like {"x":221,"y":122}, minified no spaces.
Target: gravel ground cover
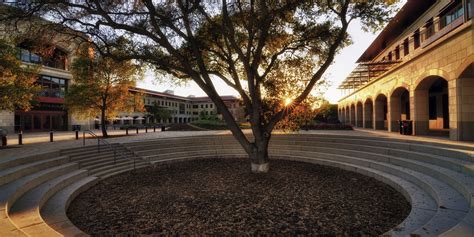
{"x":222,"y":197}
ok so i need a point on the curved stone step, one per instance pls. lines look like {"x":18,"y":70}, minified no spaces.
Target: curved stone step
{"x":9,"y":162}
{"x":463,"y":183}
{"x":12,"y":191}
{"x":16,"y":172}
{"x":25,"y":212}
{"x":54,"y":211}
{"x":113,"y":170}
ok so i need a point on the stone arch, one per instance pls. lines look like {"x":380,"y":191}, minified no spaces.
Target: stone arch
{"x":399,"y":107}
{"x":368,"y":113}
{"x":431,"y":106}
{"x":465,"y":105}
{"x":380,"y":112}
{"x":431,"y":73}
{"x":462,"y":69}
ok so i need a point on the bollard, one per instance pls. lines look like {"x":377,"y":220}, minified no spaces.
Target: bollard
{"x":50,"y":136}
{"x":77,"y":134}
{"x":137,"y":130}
{"x":154,"y":128}
{"x":163,"y":128}
{"x":146,"y":129}
{"x":126,"y":131}
{"x":20,"y":138}
{"x":4,"y":141}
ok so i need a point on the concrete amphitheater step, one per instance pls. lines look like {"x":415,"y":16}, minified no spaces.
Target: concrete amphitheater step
{"x":10,"y":162}
{"x":105,"y":164}
{"x":97,"y":160}
{"x":451,"y":164}
{"x":15,"y":189}
{"x":25,"y":212}
{"x":54,"y":211}
{"x":112,"y":170}
{"x":435,"y":149}
{"x":84,"y":152}
{"x":13,"y":173}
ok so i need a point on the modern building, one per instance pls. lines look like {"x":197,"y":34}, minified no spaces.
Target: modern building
{"x":419,"y":68}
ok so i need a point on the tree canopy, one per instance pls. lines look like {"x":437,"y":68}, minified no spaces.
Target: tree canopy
{"x":17,"y":82}
{"x":101,"y":87}
{"x":265,"y":50}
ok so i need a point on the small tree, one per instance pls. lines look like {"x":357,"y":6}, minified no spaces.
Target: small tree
{"x":101,"y":87}
{"x":158,"y":112}
{"x":17,"y":82}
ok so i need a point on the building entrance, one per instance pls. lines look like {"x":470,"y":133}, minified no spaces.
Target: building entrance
{"x":36,"y":121}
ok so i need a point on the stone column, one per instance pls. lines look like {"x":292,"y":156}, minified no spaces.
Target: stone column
{"x":394,"y":113}
{"x":421,"y":112}
{"x":465,"y":111}
{"x":368,"y":115}
{"x":379,"y":115}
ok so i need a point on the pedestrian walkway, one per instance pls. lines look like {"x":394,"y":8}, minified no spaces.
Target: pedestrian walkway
{"x":39,"y":142}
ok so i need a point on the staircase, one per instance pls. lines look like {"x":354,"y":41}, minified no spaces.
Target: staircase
{"x":437,"y":178}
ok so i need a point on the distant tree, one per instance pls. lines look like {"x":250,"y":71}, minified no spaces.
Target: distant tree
{"x":158,"y":112}
{"x":326,"y":113}
{"x":17,"y":82}
{"x":232,"y":41}
{"x":101,"y":87}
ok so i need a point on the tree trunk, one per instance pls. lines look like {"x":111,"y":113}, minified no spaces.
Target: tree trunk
{"x":103,"y":125}
{"x":259,"y":155}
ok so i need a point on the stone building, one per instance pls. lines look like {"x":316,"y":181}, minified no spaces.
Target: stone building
{"x":419,"y":68}
{"x":182,"y":109}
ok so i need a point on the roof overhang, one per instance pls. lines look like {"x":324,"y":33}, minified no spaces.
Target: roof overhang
{"x":408,"y":14}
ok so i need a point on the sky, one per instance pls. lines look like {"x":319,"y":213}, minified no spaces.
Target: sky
{"x":342,"y":66}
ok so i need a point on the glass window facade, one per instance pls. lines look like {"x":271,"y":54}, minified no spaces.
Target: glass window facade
{"x":52,"y":86}
{"x":452,"y":15}
{"x":57,"y":60}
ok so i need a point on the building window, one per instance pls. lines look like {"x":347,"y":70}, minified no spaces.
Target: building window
{"x":397,"y":53}
{"x":211,"y":106}
{"x":416,"y":39}
{"x":429,"y":29}
{"x":56,"y":60}
{"x":406,"y":49}
{"x":389,"y":56}
{"x":452,"y":15}
{"x":52,"y":86}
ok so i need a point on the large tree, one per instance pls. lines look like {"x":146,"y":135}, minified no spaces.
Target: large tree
{"x":17,"y":81}
{"x":242,"y":43}
{"x":101,"y":87}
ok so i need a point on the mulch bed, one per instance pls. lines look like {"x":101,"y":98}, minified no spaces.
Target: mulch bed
{"x":222,"y":197}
